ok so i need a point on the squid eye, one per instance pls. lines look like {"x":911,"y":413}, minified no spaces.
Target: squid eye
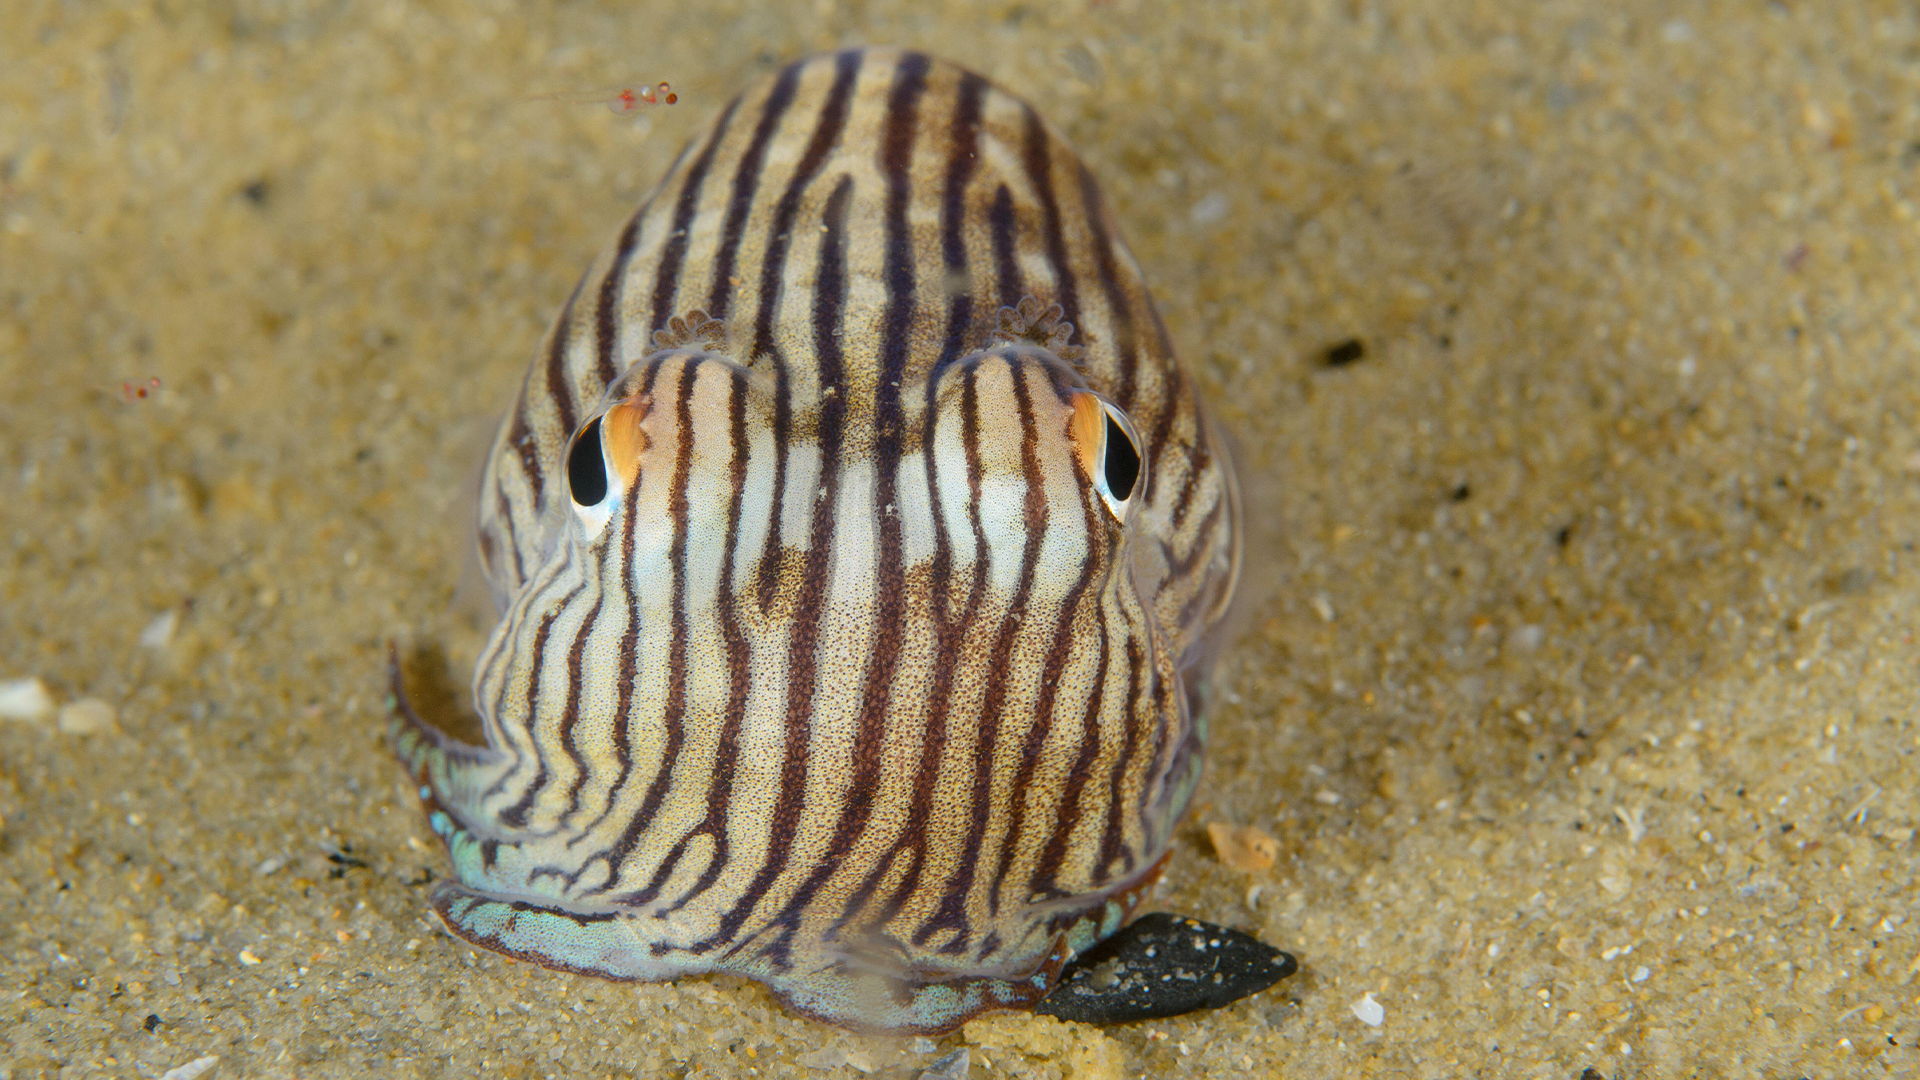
{"x":1122,"y":464}
{"x":603,"y":462}
{"x":1109,"y":450}
{"x":586,"y":468}
{"x":587,"y":481}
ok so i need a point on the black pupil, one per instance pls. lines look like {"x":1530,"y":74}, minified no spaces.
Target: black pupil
{"x":1122,"y":464}
{"x":586,"y":471}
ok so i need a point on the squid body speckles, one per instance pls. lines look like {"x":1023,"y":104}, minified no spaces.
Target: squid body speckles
{"x":857,"y":540}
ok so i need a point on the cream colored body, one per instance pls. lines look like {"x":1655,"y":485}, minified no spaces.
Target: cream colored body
{"x":857,"y":675}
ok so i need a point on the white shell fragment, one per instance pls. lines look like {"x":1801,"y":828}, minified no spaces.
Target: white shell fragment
{"x":159,"y":632}
{"x":25,"y":700}
{"x":88,"y":716}
{"x":195,"y":1068}
{"x":1369,"y":1011}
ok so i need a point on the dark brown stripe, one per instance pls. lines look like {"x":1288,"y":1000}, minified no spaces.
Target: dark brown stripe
{"x":490,"y":547}
{"x":726,"y":763}
{"x":1039,"y":164}
{"x":505,"y":510}
{"x":674,"y":715}
{"x":570,"y":719}
{"x":495,"y":709}
{"x":951,"y":914}
{"x":1045,"y":878}
{"x":629,"y":656}
{"x":515,"y":816}
{"x":896,"y":162}
{"x":559,"y":388}
{"x":1199,"y":456}
{"x":1172,"y":385}
{"x":605,"y":328}
{"x":980,"y":787}
{"x":963,"y":141}
{"x":896,"y":165}
{"x":829,"y":301}
{"x":746,"y":186}
{"x":1108,"y":269}
{"x":1006,"y":266}
{"x":1067,"y":819}
{"x":1112,"y":846}
{"x":950,"y":634}
{"x":666,"y":277}
{"x":1199,"y":548}
{"x":826,"y":132}
{"x":1166,"y":707}
{"x":520,"y":437}
{"x":1057,"y":650}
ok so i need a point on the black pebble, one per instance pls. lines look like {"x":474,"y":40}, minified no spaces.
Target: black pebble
{"x":257,"y":192}
{"x":1591,"y":1073}
{"x":153,"y":1021}
{"x":1164,"y":965}
{"x":1345,"y":353}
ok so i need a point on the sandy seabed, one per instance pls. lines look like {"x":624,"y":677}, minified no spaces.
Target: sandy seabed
{"x":1578,"y":673}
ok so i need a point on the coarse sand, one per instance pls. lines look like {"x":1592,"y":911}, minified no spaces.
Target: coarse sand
{"x":1571,"y":352}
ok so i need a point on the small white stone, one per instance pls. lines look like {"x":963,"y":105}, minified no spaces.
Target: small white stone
{"x":196,"y":1068}
{"x":88,"y":716}
{"x":1210,"y":209}
{"x":159,"y":632}
{"x":1369,"y":1011}
{"x":1641,"y":974}
{"x":26,"y":700}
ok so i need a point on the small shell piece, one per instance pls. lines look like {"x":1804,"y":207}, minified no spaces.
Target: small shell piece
{"x":25,"y":700}
{"x":159,"y":633}
{"x":198,"y":1067}
{"x":1243,"y":847}
{"x":88,"y":716}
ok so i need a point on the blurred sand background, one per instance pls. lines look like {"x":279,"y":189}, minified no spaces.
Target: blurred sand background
{"x":1578,"y":675}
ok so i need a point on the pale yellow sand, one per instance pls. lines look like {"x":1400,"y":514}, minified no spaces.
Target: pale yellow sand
{"x":1578,"y":680}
